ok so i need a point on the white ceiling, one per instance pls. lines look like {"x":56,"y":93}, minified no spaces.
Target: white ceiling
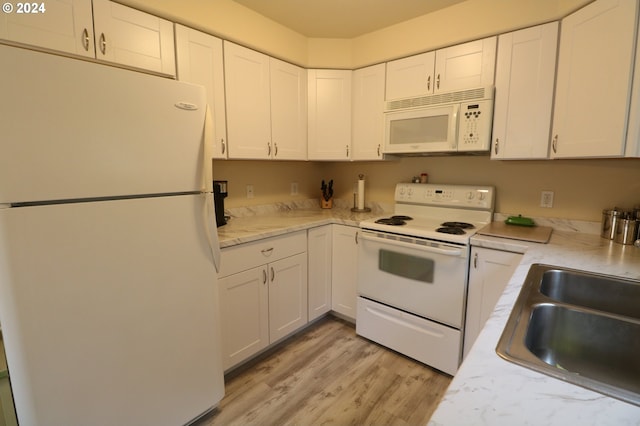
{"x":342,"y":18}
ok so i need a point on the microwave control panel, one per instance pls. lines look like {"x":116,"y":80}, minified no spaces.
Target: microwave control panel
{"x":474,"y":129}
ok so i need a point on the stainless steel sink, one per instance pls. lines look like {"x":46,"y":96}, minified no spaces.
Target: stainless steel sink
{"x":580,"y":327}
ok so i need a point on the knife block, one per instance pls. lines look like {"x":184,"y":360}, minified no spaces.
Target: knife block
{"x":326,"y":204}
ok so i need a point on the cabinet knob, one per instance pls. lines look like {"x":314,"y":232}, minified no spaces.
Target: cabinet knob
{"x":85,"y":39}
{"x":103,"y":44}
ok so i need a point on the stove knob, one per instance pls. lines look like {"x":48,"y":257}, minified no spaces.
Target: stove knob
{"x":470,"y":195}
{"x":482,"y":195}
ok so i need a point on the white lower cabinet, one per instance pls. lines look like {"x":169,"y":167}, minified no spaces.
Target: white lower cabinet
{"x":263,"y":294}
{"x":319,"y":250}
{"x":489,"y":273}
{"x":344,"y":270}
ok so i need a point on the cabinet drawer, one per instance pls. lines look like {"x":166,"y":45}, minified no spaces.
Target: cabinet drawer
{"x":245,"y":256}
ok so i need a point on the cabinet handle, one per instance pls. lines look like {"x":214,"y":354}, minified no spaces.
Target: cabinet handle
{"x":267,"y":252}
{"x":475,"y":261}
{"x":347,"y":151}
{"x":495,"y":147}
{"x":378,"y":150}
{"x":269,"y":149}
{"x":273,"y":274}
{"x":438,"y":82}
{"x":224,"y":146}
{"x":554,"y":145}
{"x":428,"y":82}
{"x":275,"y":146}
{"x":356,"y":237}
{"x":103,"y":44}
{"x":85,"y":39}
{"x":264,"y":276}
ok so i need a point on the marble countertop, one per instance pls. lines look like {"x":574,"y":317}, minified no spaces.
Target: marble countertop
{"x":488,"y":390}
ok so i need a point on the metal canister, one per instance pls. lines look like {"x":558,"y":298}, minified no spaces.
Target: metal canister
{"x":610,"y":218}
{"x":626,"y":231}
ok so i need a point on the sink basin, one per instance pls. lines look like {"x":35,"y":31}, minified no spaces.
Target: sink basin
{"x":580,"y":327}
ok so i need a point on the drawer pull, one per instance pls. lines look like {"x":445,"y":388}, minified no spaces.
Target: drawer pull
{"x":267,"y":252}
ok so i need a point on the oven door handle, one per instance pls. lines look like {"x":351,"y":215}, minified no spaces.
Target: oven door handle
{"x":446,"y":252}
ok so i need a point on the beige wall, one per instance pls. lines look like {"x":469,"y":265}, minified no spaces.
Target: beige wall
{"x":583,"y":188}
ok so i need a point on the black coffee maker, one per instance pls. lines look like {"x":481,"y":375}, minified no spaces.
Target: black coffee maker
{"x":219,"y":194}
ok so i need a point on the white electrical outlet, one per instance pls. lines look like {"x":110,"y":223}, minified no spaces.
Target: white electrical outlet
{"x":546,"y":199}
{"x":294,"y":188}
{"x":249,"y":191}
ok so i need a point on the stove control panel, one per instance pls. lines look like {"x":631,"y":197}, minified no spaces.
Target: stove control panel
{"x":454,"y":196}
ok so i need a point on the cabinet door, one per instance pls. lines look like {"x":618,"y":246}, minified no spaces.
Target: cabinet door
{"x":344,"y":276}
{"x":410,"y":77}
{"x":465,"y":66}
{"x":288,"y":111}
{"x":329,"y":114}
{"x":130,"y":37}
{"x":248,"y":90}
{"x":489,"y":273}
{"x":244,"y":306}
{"x":595,"y":64}
{"x":319,"y":268}
{"x":199,"y":60}
{"x":368,"y":112}
{"x":66,"y":26}
{"x":287,"y":296}
{"x":525,"y":73}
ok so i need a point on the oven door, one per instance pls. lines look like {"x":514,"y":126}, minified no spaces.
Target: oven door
{"x":426,"y":278}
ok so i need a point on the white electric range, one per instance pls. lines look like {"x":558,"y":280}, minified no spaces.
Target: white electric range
{"x":413,"y":270}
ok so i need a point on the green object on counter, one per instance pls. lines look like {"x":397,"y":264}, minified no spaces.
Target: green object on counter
{"x":520,"y":221}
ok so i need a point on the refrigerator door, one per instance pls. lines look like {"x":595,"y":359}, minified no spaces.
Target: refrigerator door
{"x":76,"y":129}
{"x":109,"y":312}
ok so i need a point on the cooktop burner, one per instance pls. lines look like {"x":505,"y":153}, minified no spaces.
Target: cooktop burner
{"x":462,"y":225}
{"x":393,"y":221}
{"x":402,"y":217}
{"x":455,"y":230}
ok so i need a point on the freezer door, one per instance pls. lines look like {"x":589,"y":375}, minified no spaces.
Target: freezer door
{"x":76,"y":129}
{"x":109,"y":312}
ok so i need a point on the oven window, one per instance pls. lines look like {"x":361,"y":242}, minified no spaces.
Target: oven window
{"x":404,"y":265}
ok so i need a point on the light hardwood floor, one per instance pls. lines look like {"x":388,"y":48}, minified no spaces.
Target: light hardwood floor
{"x":327,"y":375}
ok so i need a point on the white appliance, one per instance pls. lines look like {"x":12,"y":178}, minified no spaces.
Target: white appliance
{"x":108,"y":244}
{"x":413,"y":270}
{"x":445,"y":122}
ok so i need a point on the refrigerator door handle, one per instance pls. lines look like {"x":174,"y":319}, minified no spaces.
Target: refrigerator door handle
{"x":211,"y":231}
{"x":207,"y":176}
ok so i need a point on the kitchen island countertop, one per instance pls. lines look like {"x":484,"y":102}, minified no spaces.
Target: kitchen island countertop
{"x":487,"y":390}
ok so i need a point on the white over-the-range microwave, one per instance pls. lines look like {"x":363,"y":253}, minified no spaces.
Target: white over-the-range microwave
{"x":442,"y":123}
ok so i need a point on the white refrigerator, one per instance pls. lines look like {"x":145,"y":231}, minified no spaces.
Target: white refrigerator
{"x":108,"y":244}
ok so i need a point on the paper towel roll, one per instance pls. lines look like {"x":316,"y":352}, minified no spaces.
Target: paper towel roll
{"x":360,"y":194}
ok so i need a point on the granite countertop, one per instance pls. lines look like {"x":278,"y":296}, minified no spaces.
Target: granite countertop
{"x":488,"y":390}
{"x":251,"y":224}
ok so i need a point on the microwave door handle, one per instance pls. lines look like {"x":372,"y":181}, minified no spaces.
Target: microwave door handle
{"x":444,"y":251}
{"x":453,"y":126}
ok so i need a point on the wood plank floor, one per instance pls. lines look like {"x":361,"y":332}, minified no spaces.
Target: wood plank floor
{"x":327,"y":375}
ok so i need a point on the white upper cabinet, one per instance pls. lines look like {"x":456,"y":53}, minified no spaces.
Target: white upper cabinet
{"x":199,"y":60}
{"x":410,"y":77}
{"x":368,"y":113}
{"x":595,"y":65}
{"x":65,"y":26}
{"x":329,"y":114}
{"x":130,"y":37}
{"x":288,"y":110}
{"x":525,"y":75}
{"x":266,"y":106}
{"x":123,"y":35}
{"x":464,"y":66}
